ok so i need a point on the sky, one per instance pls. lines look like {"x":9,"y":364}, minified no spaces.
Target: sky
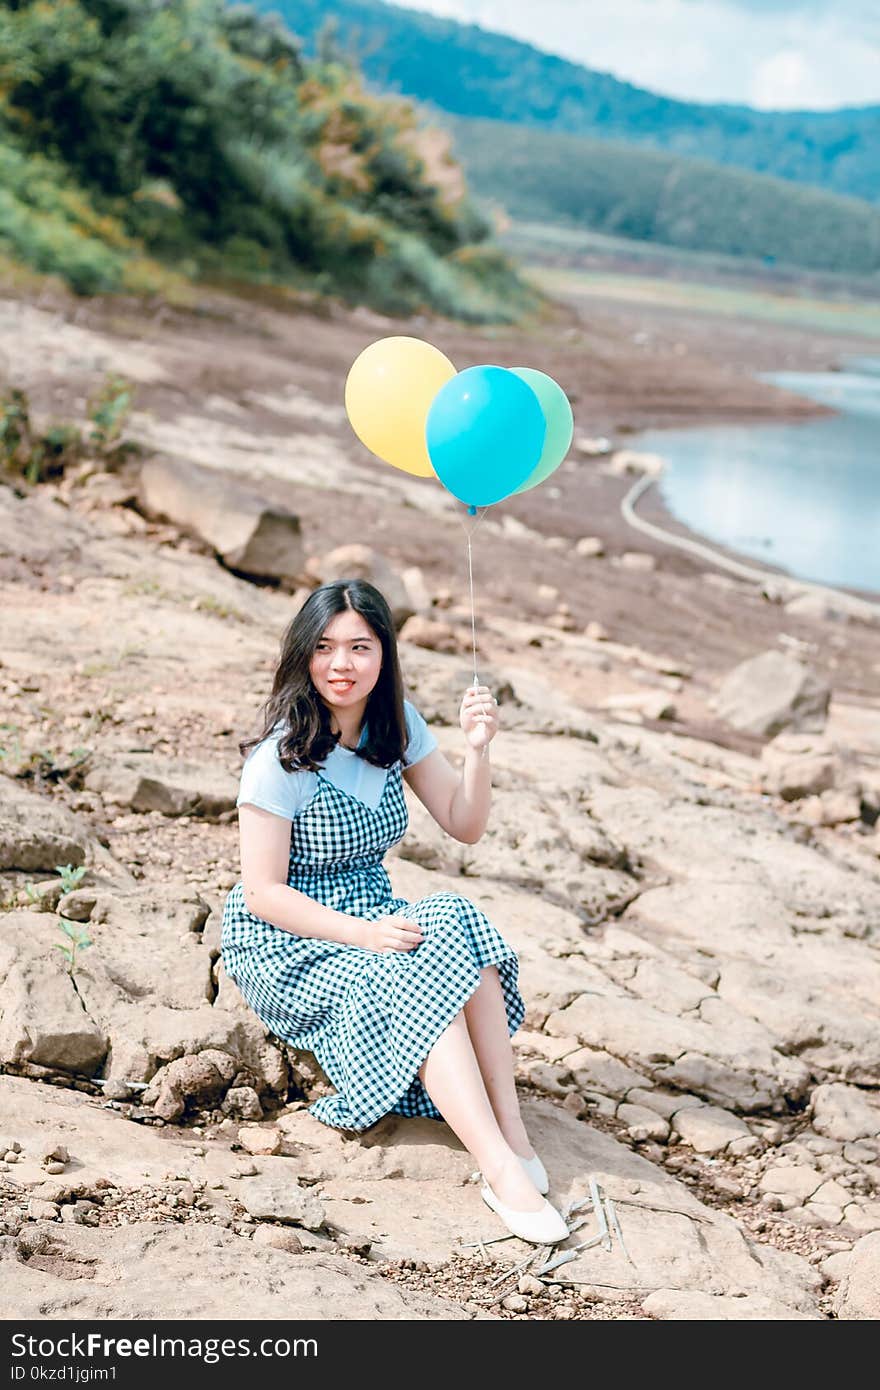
{"x":771,"y":54}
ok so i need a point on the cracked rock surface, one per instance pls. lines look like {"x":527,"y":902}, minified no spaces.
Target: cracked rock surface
{"x":698,"y":941}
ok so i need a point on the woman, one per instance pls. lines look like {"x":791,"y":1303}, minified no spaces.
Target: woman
{"x":408,"y":1007}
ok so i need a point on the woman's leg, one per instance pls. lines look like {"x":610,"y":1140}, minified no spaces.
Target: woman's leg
{"x":451,"y":1075}
{"x":487,"y":1024}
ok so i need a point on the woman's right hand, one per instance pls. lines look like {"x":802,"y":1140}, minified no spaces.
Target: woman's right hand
{"x":391,"y":934}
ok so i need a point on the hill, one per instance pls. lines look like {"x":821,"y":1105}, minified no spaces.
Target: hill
{"x":646,"y":195}
{"x":146,"y":144}
{"x":471,"y":72}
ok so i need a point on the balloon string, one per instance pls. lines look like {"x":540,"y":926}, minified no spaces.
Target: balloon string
{"x":485,"y":748}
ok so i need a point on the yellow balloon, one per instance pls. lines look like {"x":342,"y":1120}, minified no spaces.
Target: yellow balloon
{"x":388,"y":393}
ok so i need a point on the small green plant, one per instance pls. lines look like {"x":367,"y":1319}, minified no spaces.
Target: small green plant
{"x":77,"y":935}
{"x":31,"y":889}
{"x":70,"y":876}
{"x":27,"y":453}
{"x":108,"y":410}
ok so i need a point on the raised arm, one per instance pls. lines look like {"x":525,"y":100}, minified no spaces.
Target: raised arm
{"x":265,"y":853}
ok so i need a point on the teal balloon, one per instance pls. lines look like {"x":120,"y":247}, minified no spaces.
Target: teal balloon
{"x":560,"y":424}
{"x":485,"y":434}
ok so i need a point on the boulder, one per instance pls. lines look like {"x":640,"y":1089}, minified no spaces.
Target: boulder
{"x":858,"y":1295}
{"x":235,"y":521}
{"x":772,"y":692}
{"x":36,"y":833}
{"x":144,"y":782}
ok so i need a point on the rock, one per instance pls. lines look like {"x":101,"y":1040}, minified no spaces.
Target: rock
{"x":212,"y":1265}
{"x":37,"y":833}
{"x":39,"y":1210}
{"x":79,"y":904}
{"x":708,"y":1129}
{"x":830,"y":606}
{"x":52,"y":1150}
{"x":248,"y":535}
{"x":596,"y":632}
{"x":43,"y":1020}
{"x":515,"y":1303}
{"x":432,"y":635}
{"x":792,"y":1180}
{"x":638,"y":560}
{"x":773,"y":692}
{"x":278,"y":1238}
{"x":243,"y":1102}
{"x":858,"y":1295}
{"x":625,"y":461}
{"x":172,"y":786}
{"x":647,"y":1123}
{"x":591,"y":547}
{"x":417,"y":590}
{"x":554,"y":1080}
{"x":863,"y":1216}
{"x":839,"y":807}
{"x":259,"y":1141}
{"x":54,"y":1168}
{"x":653,"y":704}
{"x":693,"y":1306}
{"x":844,"y":1112}
{"x":196,"y":1079}
{"x":271,"y":1197}
{"x":795,"y":767}
{"x":361,"y":562}
{"x":528,"y":1284}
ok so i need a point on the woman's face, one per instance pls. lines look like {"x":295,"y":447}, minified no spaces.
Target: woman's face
{"x":346,"y":662}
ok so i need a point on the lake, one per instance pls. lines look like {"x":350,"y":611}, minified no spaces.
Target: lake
{"x":804,"y":497}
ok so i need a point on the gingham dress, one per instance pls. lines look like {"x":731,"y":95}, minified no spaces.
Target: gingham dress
{"x":369,"y":1017}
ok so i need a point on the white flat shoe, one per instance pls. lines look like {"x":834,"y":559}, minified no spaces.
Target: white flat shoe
{"x":542,"y":1227}
{"x":537,"y":1172}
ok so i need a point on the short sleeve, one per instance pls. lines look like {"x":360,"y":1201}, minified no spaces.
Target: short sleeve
{"x":421,"y":740}
{"x":266,"y":784}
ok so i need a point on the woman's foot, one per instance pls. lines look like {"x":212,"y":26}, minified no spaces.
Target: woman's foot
{"x":512,"y":1185}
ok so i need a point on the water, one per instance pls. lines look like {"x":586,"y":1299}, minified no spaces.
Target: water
{"x":804,"y":497}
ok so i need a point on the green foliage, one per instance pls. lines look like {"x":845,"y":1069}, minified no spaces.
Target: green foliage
{"x":26,"y":452}
{"x":108,"y":411}
{"x":644,"y":195}
{"x":78,"y":939}
{"x":142,"y":134}
{"x":471,"y":72}
{"x":37,"y":455}
{"x":70,"y":876}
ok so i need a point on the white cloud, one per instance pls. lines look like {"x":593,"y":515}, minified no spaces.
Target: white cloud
{"x":784,"y":54}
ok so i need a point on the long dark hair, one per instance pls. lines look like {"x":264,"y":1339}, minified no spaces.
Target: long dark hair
{"x":294,"y":702}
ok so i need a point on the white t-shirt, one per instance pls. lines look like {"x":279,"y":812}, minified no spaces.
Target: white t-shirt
{"x":265,"y":783}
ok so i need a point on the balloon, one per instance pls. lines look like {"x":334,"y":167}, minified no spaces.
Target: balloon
{"x":560,"y":424}
{"x":388,"y":391}
{"x":485,"y":433}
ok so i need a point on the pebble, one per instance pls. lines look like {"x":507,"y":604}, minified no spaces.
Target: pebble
{"x":278,"y":1238}
{"x":529,"y":1284}
{"x":11,"y":1156}
{"x":55,"y":1167}
{"x":515,"y":1303}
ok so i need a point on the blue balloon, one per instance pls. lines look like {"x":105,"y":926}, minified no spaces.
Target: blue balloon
{"x":485,"y":434}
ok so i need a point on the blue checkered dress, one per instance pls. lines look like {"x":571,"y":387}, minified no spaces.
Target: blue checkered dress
{"x":369,"y":1017}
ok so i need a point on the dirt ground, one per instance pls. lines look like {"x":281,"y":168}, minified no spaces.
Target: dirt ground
{"x":625,"y":367}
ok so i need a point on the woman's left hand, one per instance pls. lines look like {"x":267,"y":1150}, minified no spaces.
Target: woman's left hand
{"x":479,"y":716}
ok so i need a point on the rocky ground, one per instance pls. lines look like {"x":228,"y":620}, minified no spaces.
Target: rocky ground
{"x":683,"y":850}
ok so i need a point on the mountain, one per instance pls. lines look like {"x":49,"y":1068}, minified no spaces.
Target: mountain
{"x":471,"y":72}
{"x":546,"y":176}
